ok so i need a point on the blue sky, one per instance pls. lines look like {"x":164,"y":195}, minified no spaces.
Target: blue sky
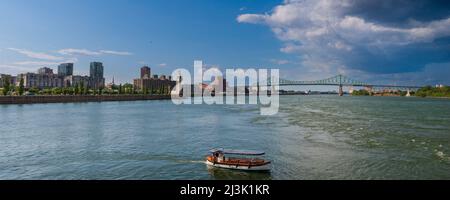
{"x":401,"y":43}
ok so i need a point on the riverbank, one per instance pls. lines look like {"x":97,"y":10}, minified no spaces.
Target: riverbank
{"x":75,"y":99}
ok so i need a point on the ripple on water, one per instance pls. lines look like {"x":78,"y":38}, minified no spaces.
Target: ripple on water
{"x":313,"y":137}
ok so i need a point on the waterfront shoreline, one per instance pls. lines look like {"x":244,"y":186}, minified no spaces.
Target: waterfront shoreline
{"x":6,"y":100}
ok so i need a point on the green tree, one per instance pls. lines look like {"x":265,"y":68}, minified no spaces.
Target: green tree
{"x":150,"y":90}
{"x":68,"y":91}
{"x":128,"y":88}
{"x":76,"y":89}
{"x":361,"y":93}
{"x":34,"y":90}
{"x":86,"y":90}
{"x":64,"y":90}
{"x":56,"y":91}
{"x":145,"y":91}
{"x":433,"y":91}
{"x":47,"y":91}
{"x":21,"y":86}
{"x":6,"y":86}
{"x":82,"y":91}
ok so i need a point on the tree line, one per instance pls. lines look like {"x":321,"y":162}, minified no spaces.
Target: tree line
{"x":429,"y":91}
{"x":9,"y":89}
{"x":81,"y":89}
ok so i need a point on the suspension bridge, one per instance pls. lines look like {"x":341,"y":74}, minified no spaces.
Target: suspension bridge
{"x":341,"y":81}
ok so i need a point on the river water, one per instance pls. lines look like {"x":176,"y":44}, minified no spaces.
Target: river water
{"x":313,"y":137}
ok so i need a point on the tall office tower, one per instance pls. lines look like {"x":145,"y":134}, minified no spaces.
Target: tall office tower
{"x":96,"y":70}
{"x":145,"y":72}
{"x":65,"y":69}
{"x":96,"y":75}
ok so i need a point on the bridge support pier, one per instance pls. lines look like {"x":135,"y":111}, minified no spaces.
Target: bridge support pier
{"x":341,"y":91}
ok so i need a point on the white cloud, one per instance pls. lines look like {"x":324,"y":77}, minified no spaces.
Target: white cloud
{"x":340,"y":45}
{"x":290,"y":48}
{"x":330,"y":39}
{"x":163,"y":64}
{"x":251,"y":18}
{"x":279,"y":62}
{"x":119,"y":53}
{"x":44,"y":63}
{"x":304,"y":21}
{"x":35,"y":63}
{"x":37,"y":55}
{"x":14,"y":69}
{"x":85,"y":52}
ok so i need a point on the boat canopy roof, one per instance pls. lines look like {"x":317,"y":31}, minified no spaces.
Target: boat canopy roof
{"x":238,"y":152}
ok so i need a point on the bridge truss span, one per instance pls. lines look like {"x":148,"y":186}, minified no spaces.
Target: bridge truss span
{"x":340,"y":81}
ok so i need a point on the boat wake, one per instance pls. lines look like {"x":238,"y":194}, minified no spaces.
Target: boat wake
{"x":192,"y":161}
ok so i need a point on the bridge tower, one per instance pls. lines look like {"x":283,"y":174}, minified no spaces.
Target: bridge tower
{"x":341,"y":90}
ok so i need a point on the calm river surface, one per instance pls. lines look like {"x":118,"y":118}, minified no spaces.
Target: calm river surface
{"x":313,"y":137}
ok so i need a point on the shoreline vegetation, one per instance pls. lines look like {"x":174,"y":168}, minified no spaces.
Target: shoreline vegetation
{"x":19,"y":95}
{"x":81,"y":89}
{"x":10,"y":94}
{"x":427,"y":91}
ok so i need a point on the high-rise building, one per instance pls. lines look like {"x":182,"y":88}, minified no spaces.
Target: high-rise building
{"x":45,"y":71}
{"x":96,"y":75}
{"x":96,"y":70}
{"x":145,"y":72}
{"x":65,"y":69}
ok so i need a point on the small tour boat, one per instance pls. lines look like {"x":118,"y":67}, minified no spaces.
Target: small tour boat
{"x":219,"y":158}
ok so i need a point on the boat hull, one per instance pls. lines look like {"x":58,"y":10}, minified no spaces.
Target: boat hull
{"x":265,"y":167}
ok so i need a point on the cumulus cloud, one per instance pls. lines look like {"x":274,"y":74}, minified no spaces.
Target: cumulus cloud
{"x":346,"y":35}
{"x":37,"y":55}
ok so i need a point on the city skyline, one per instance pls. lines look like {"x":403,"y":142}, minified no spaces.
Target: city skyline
{"x":408,"y":47}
